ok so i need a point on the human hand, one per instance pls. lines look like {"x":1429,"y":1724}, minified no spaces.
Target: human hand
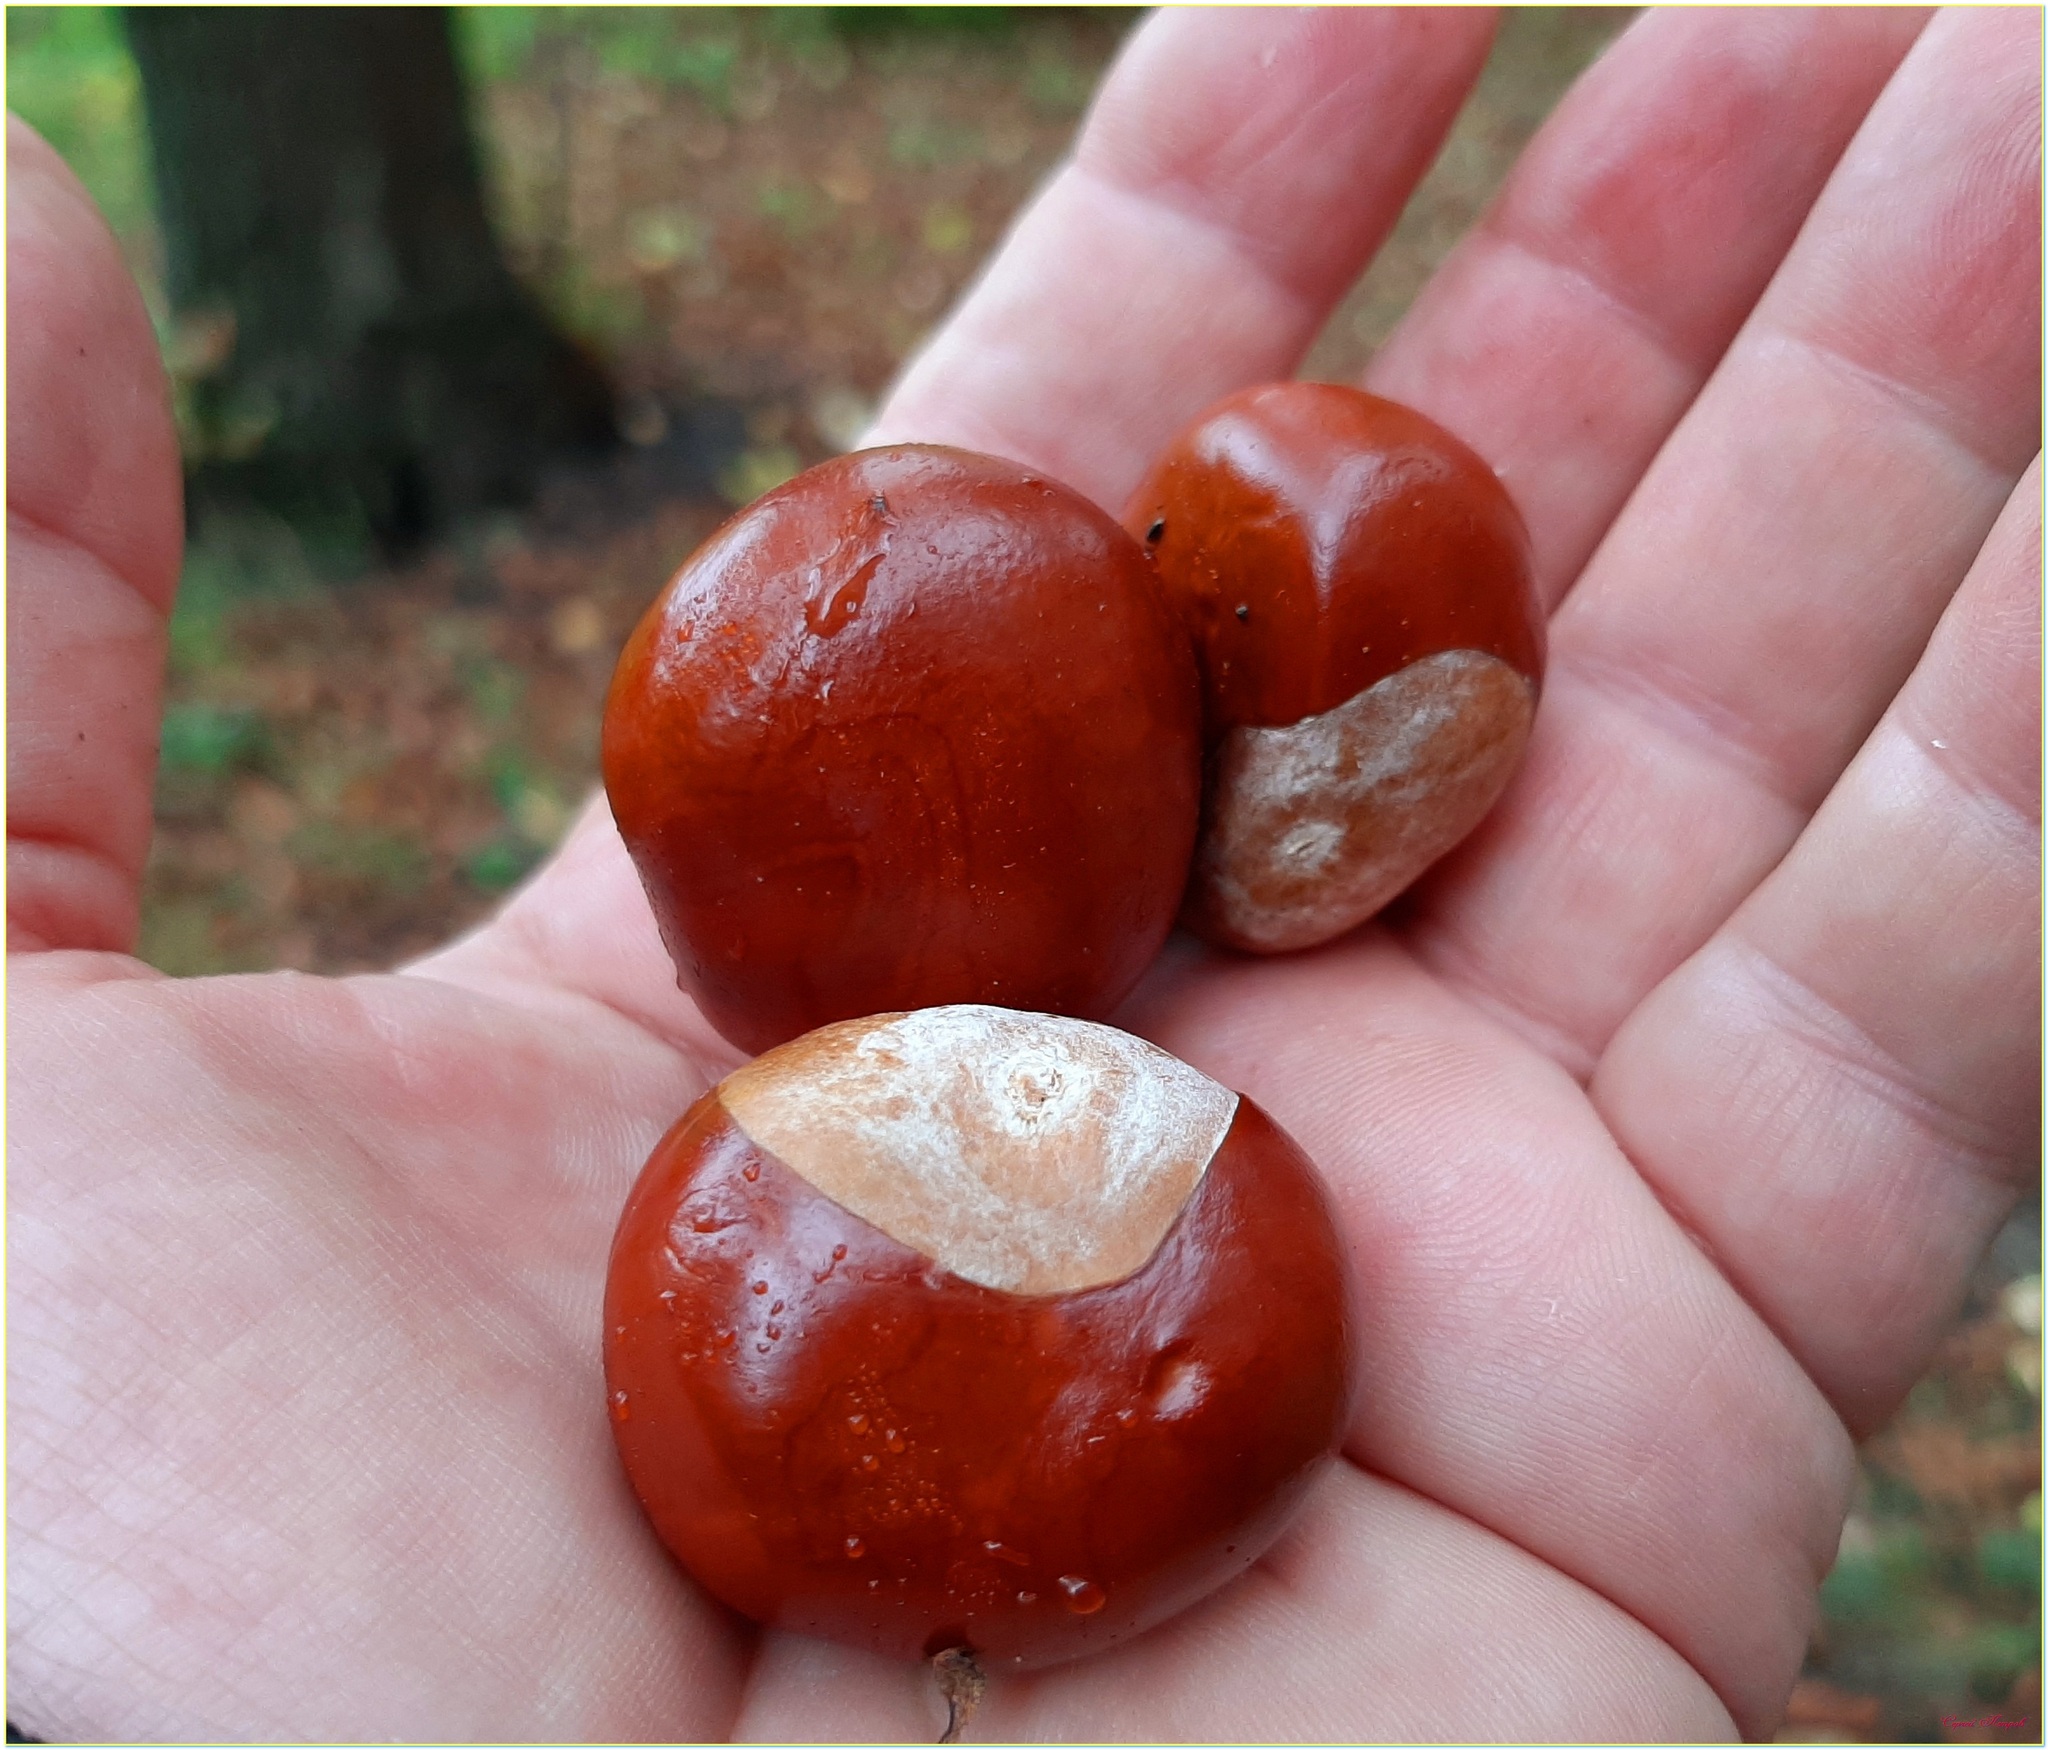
{"x":307,"y":1429}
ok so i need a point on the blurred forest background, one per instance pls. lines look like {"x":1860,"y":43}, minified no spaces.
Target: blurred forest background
{"x":750,"y":218}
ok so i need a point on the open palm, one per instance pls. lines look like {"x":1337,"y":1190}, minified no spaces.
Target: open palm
{"x":1665,"y":1120}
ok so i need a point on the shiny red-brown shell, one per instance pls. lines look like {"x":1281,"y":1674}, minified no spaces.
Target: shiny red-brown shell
{"x":1321,"y":538}
{"x":837,"y":1437}
{"x":918,"y":727}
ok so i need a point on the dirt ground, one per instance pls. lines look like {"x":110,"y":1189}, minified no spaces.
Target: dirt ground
{"x":756,"y":217}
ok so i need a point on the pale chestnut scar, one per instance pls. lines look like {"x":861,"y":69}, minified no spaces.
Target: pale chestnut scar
{"x":1316,"y":825}
{"x":1030,"y":1153}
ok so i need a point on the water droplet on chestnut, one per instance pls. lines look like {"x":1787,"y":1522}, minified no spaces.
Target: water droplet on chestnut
{"x":1082,"y":1597}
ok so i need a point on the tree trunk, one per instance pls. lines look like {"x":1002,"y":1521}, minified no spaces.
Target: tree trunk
{"x":375,"y":360}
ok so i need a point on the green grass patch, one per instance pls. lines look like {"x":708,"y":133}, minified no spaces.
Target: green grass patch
{"x":210,"y":739}
{"x":494,"y":867}
{"x":2011,"y":1559}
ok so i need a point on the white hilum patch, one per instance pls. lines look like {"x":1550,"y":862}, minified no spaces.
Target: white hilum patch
{"x":1032,"y":1153}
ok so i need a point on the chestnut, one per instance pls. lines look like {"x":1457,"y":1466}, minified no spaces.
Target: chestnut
{"x":918,"y":727}
{"x":974,"y":1330}
{"x":1359,"y":587}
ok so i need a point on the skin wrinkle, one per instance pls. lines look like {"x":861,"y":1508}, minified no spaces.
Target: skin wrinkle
{"x":172,"y":1497}
{"x":1690,"y":365}
{"x":1240,"y":256}
{"x":1593,"y":132}
{"x":1924,"y":411}
{"x":1177,"y":195}
{"x":53,"y":899}
{"x":1964,"y":775}
{"x":1821,"y":154}
{"x":1833,"y":1033}
{"x":94,"y":623}
{"x":1235,"y":164}
{"x":1663,"y":703}
{"x":395,"y":1037}
{"x":38,"y":919}
{"x":158,"y":610}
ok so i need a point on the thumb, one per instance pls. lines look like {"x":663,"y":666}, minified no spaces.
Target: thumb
{"x":94,"y":535}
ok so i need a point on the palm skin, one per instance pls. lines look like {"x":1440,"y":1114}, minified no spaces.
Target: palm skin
{"x":1665,"y":1119}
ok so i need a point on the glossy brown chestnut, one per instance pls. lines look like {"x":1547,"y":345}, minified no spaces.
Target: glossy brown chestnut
{"x":969,"y":1328}
{"x":1359,"y":586}
{"x":918,"y":727}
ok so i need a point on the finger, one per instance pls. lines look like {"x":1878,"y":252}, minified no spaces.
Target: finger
{"x":1543,"y":1350}
{"x":1840,"y":1092}
{"x":1781,"y":566}
{"x":94,"y":528}
{"x":1566,"y":335}
{"x":1239,"y":168}
{"x":1360,"y":1627}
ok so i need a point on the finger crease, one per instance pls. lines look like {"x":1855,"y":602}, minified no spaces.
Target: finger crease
{"x":1965,"y":778}
{"x":1925,"y":412}
{"x":1153,"y":204}
{"x":1833,"y":1033}
{"x":1501,"y":232}
{"x":1664,"y":699}
{"x":17,"y":518}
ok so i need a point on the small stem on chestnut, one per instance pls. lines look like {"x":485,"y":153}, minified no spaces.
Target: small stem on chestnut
{"x":963,"y":1683}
